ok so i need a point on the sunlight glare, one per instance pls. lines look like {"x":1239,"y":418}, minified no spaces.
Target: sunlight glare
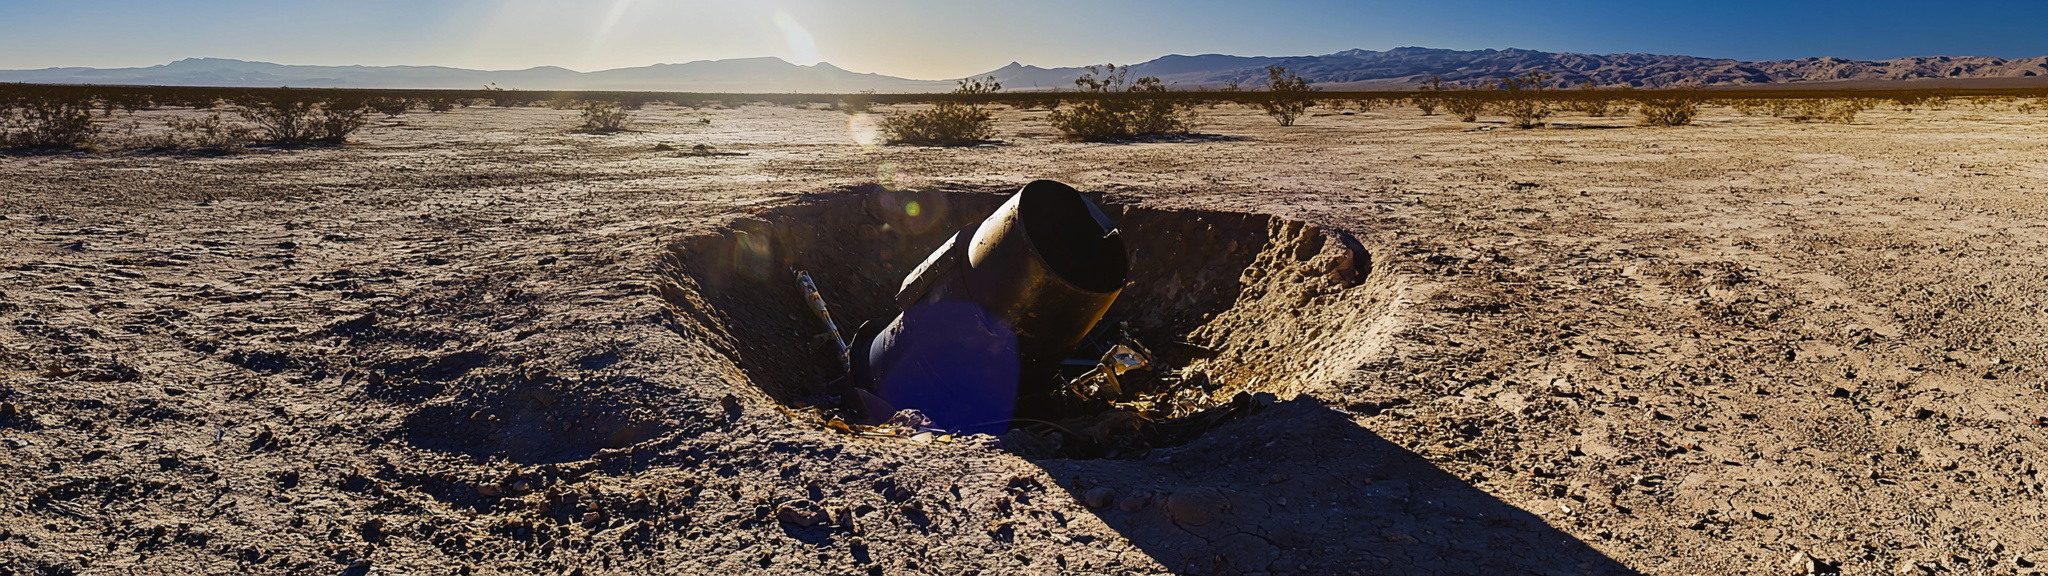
{"x":802,"y":49}
{"x":611,"y":18}
{"x":864,"y":130}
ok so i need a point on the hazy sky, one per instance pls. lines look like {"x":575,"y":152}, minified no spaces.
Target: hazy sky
{"x":936,"y":39}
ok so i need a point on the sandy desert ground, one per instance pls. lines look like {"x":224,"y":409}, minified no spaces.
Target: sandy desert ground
{"x":478,"y":343}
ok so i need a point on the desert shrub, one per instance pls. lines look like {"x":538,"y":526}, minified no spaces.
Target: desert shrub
{"x":1524,"y":102}
{"x":1466,"y":104}
{"x":1907,"y":102}
{"x":857,"y":102}
{"x":1430,"y":96}
{"x":342,"y":116}
{"x":293,"y":117}
{"x":390,"y":106}
{"x":1040,"y":103}
{"x":130,"y":102}
{"x":564,"y":102}
{"x":1831,"y":110}
{"x":1668,"y":108}
{"x":1940,"y":98}
{"x":440,"y":104}
{"x":604,"y":117}
{"x":51,"y":121}
{"x":633,"y":102}
{"x":1747,"y":106}
{"x":950,"y":122}
{"x":1591,"y":100}
{"x":1118,"y":108}
{"x":1991,"y":103}
{"x":502,"y":98}
{"x":210,"y":133}
{"x":129,"y":136}
{"x":1287,"y":95}
{"x":1233,"y":93}
{"x":283,"y":117}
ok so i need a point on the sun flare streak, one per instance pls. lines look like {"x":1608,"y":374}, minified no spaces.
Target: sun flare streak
{"x":605,"y":28}
{"x":802,"y":48}
{"x":611,"y":19}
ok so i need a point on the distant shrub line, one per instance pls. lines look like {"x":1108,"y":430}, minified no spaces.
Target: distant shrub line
{"x":1104,"y":105}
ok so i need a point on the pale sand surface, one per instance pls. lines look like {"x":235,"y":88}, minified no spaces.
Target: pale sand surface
{"x":456,"y":345}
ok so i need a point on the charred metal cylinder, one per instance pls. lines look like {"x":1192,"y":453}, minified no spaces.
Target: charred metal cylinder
{"x":1001,"y":300}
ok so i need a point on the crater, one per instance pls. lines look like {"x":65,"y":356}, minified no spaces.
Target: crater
{"x":1228,"y":303}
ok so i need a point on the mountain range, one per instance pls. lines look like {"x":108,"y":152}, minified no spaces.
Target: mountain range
{"x":1399,"y":68}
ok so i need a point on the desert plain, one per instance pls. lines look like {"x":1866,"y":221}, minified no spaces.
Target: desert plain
{"x":477,"y":342}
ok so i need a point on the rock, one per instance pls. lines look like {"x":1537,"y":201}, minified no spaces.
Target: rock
{"x":1802,"y":564}
{"x":1027,"y":444}
{"x":909,"y":418}
{"x":372,"y":530}
{"x":1197,"y":507}
{"x":803,"y":513}
{"x":1099,"y":496}
{"x":840,"y":516}
{"x":1134,"y":502}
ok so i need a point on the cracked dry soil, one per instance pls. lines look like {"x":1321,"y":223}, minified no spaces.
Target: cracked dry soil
{"x":475,"y":343}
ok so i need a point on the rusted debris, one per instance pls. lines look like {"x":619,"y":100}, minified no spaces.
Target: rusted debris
{"x":817,"y":304}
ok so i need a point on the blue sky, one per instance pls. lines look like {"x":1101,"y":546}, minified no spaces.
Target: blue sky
{"x":953,"y":38}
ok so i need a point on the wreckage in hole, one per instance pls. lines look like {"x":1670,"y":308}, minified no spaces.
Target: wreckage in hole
{"x":984,"y":323}
{"x":1003,"y":325}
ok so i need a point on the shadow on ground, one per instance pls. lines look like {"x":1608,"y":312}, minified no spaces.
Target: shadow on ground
{"x":1300,"y":489}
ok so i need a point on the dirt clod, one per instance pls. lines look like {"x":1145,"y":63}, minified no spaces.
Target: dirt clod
{"x":802,"y":513}
{"x":1134,"y":502}
{"x":1099,"y":496}
{"x":1197,"y":507}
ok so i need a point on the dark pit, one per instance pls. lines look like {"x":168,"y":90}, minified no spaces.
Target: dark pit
{"x":1246,"y":303}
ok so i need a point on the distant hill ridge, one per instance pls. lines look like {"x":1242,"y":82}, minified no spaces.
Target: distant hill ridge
{"x":1399,"y":68}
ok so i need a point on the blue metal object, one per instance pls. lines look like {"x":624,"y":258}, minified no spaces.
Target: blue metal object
{"x":989,"y":315}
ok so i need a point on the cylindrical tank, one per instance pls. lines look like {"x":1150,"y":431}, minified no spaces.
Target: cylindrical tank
{"x":1043,"y":268}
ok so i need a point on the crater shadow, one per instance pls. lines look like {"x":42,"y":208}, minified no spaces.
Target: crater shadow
{"x":1299,"y":488}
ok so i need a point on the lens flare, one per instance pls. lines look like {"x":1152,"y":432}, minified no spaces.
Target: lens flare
{"x":885,"y":176}
{"x":801,"y":47}
{"x":864,"y":130}
{"x":911,"y":212}
{"x":751,"y":256}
